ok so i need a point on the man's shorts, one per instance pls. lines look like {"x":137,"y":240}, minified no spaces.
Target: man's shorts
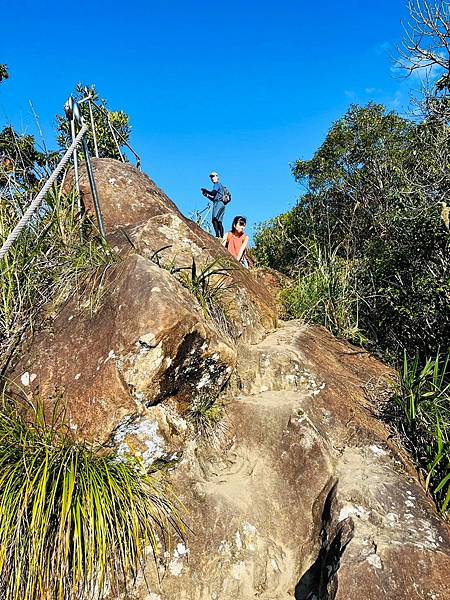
{"x":218,"y":210}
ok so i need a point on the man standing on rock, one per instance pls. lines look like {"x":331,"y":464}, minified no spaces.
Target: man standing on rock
{"x":216,"y":195}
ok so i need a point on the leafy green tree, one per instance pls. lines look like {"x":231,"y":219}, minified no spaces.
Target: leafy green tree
{"x":104,"y":121}
{"x":353,"y":173}
{"x":3,"y":72}
{"x":20,"y":161}
{"x":376,"y":189}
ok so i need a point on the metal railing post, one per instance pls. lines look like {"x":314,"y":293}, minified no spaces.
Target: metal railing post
{"x":78,"y":118}
{"x":117,"y":133}
{"x":68,"y":107}
{"x":111,"y":128}
{"x":94,"y":133}
{"x":90,"y":173}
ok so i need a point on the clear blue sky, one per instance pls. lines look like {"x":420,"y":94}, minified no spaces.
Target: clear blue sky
{"x":244,"y":88}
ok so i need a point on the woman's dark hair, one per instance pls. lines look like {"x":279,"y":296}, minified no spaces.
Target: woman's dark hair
{"x":236,"y":221}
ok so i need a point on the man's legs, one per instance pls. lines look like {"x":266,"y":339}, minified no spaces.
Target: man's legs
{"x":217,"y":217}
{"x":217,"y":227}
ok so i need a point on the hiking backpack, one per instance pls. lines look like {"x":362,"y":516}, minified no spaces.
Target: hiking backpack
{"x":226,"y":195}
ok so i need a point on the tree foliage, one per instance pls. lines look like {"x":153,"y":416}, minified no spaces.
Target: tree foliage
{"x":104,"y":121}
{"x":19,"y":160}
{"x":368,"y":244}
{"x":4,"y":74}
{"x":376,"y":193}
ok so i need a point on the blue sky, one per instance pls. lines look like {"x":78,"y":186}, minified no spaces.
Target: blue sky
{"x":244,"y":88}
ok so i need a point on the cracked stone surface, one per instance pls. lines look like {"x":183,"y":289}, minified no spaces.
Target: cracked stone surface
{"x":305,"y":495}
{"x":308,"y":498}
{"x":136,"y":351}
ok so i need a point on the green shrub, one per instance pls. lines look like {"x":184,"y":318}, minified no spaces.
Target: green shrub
{"x":325,"y":293}
{"x":422,"y":401}
{"x":74,"y":520}
{"x":375,"y":191}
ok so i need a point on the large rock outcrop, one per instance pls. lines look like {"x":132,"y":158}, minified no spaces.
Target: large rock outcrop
{"x":308,"y":498}
{"x":140,"y":217}
{"x":136,"y":336}
{"x":146,"y":340}
{"x":303,"y":494}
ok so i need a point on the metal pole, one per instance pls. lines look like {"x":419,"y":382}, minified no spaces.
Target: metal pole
{"x":111,"y":128}
{"x":73,"y":116}
{"x":124,"y":142}
{"x":90,"y":172}
{"x":94,"y":134}
{"x":75,"y":164}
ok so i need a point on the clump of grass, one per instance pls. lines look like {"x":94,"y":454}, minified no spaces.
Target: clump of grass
{"x":325,"y":294}
{"x":422,"y":415}
{"x":207,"y":284}
{"x":206,"y":413}
{"x":47,"y":262}
{"x":75,"y":521}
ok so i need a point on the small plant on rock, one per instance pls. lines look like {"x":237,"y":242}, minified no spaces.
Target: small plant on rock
{"x":206,"y":413}
{"x":207,"y":284}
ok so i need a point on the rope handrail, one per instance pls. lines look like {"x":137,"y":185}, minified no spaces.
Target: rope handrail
{"x":37,"y":201}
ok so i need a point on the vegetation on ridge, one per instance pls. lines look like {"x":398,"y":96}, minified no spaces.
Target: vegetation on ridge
{"x":368,"y":244}
{"x":75,"y":521}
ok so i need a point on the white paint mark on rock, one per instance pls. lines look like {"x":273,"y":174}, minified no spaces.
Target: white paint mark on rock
{"x":25,"y":378}
{"x":238,"y":541}
{"x":176,"y":564}
{"x":111,"y":354}
{"x":249,"y":529}
{"x":77,"y":376}
{"x":352,"y":510}
{"x":375,"y":561}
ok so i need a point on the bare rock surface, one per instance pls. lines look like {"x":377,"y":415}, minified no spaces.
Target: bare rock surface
{"x":303,"y":494}
{"x":307,"y":497}
{"x":146,"y":341}
{"x":137,"y":212}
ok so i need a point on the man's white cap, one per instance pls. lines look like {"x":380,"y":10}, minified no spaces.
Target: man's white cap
{"x":213,"y":173}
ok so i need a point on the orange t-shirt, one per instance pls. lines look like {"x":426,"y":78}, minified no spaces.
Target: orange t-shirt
{"x":234,"y":242}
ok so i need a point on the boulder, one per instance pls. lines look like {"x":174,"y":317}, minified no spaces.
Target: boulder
{"x":308,"y":497}
{"x":112,"y":352}
{"x":304,"y":493}
{"x":139,"y":216}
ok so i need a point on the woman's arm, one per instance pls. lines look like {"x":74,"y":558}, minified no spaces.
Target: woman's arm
{"x":224,"y":241}
{"x":243,"y":247}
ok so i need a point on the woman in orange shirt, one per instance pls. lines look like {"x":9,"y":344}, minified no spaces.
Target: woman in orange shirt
{"x":236,"y":241}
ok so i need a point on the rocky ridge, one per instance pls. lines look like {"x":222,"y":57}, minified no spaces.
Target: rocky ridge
{"x":303,"y":494}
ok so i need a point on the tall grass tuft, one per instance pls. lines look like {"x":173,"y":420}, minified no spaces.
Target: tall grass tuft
{"x":47,"y":261}
{"x":422,"y":402}
{"x":75,"y":521}
{"x":207,"y":284}
{"x":325,"y":293}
